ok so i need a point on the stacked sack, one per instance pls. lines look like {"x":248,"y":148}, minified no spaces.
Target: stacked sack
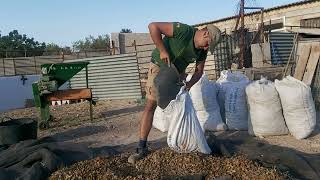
{"x":263,"y":107}
{"x":204,"y":99}
{"x":232,"y":99}
{"x":298,"y":106}
{"x":265,"y":111}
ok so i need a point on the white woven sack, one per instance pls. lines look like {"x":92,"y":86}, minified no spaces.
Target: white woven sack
{"x":298,"y":106}
{"x":204,"y":99}
{"x":161,"y":119}
{"x":185,"y":134}
{"x":265,"y":111}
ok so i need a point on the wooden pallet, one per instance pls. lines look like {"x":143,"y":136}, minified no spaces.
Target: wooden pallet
{"x":307,"y":62}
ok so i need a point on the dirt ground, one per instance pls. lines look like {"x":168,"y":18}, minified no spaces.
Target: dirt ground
{"x":116,"y":123}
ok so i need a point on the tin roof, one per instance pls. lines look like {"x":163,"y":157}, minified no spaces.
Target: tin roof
{"x":257,"y":12}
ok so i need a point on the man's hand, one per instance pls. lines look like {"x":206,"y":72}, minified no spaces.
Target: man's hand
{"x":157,"y":29}
{"x":164,"y":56}
{"x":196,"y":75}
{"x":188,"y":86}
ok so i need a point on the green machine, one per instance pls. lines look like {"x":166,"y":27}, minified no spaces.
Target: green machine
{"x":46,"y":89}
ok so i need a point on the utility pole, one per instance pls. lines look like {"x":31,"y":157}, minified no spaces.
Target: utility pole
{"x":242,"y":43}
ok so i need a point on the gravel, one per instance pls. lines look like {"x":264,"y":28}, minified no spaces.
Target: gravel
{"x":167,"y":164}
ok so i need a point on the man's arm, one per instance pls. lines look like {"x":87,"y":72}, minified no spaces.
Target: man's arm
{"x":196,"y":75}
{"x":156,"y":30}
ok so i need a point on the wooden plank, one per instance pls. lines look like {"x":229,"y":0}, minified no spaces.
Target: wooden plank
{"x":303,"y":60}
{"x":312,"y":64}
{"x":70,"y":94}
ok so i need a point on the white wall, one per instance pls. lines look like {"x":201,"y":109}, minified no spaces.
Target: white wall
{"x":13,"y":93}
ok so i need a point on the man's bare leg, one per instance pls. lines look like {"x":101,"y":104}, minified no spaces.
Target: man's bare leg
{"x":147,"y":119}
{"x":145,"y":127}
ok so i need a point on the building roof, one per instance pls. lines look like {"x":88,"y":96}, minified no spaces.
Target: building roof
{"x":257,"y":12}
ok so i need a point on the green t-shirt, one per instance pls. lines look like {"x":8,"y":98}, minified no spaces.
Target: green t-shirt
{"x":180,"y":48}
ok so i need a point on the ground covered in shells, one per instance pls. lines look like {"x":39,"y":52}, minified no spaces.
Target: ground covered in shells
{"x":167,"y":164}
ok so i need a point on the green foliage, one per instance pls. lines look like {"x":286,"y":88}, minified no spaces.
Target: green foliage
{"x":17,"y":45}
{"x":124,"y":30}
{"x":92,"y":43}
{"x":54,"y":49}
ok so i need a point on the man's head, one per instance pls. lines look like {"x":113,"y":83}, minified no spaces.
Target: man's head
{"x":208,"y":36}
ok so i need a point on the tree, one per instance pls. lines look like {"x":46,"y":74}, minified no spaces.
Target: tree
{"x":52,"y":49}
{"x":125,"y":30}
{"x":17,"y":45}
{"x":92,"y":43}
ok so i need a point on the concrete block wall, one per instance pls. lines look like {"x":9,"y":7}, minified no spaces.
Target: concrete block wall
{"x":115,"y":39}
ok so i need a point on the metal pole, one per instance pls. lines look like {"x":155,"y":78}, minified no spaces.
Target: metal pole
{"x":291,"y":53}
{"x":113,"y":48}
{"x":237,"y":23}
{"x":262,"y":27}
{"x":253,"y":7}
{"x":241,"y":63}
{"x":90,"y":100}
{"x":87,"y":83}
{"x":217,"y":64}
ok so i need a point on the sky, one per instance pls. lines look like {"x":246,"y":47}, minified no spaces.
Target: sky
{"x":65,"y":21}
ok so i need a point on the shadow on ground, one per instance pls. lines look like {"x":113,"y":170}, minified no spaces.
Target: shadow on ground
{"x":123,"y":111}
{"x":78,"y":133}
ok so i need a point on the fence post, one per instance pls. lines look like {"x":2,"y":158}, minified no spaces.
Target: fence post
{"x":113,"y":48}
{"x":4,"y":68}
{"x":62,"y":56}
{"x":14,"y":67}
{"x":35,"y":64}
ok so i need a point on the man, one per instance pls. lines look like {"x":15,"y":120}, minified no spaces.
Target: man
{"x":181,"y":45}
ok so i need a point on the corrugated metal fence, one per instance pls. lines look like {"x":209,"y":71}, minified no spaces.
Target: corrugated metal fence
{"x":25,"y":65}
{"x":12,"y":66}
{"x":110,"y":77}
{"x":281,"y":46}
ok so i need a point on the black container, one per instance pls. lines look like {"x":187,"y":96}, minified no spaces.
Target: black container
{"x":16,"y":130}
